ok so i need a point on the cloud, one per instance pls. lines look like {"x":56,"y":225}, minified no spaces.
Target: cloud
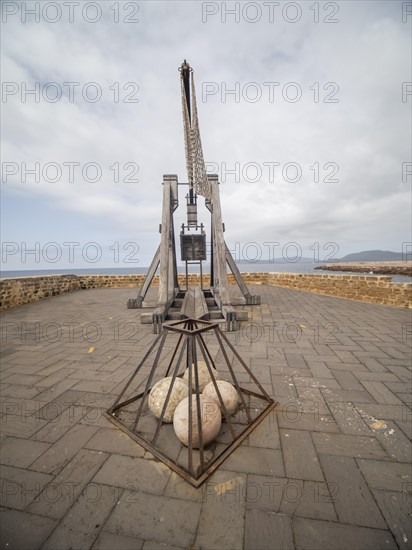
{"x":365,"y":134}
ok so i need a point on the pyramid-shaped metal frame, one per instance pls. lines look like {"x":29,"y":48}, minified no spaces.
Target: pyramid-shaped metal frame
{"x":191,"y":339}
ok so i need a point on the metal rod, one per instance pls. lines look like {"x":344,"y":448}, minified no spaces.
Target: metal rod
{"x":175,"y":273}
{"x":149,"y":380}
{"x":201,"y":275}
{"x":136,"y":371}
{"x":244,"y":365}
{"x":197,"y":393}
{"x":207,"y":351}
{"x":222,"y":404}
{"x":233,"y":374}
{"x":169,"y":392}
{"x":190,"y":435}
{"x":212,"y":258}
{"x":173,"y":355}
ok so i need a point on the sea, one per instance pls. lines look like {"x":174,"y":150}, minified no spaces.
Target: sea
{"x":279,"y":267}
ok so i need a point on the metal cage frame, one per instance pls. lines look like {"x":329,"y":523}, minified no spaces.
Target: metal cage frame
{"x":190,"y":340}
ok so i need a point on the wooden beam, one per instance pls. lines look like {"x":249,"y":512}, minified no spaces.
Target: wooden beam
{"x":235,"y":270}
{"x":219,"y":252}
{"x":194,"y":304}
{"x":148,"y":281}
{"x":164,"y":244}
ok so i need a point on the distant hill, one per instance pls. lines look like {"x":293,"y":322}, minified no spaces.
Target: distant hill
{"x":365,"y":256}
{"x":370,"y":256}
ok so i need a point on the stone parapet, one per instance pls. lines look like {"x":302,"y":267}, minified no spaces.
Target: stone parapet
{"x":377,"y":289}
{"x":23,"y":290}
{"x":373,"y":289}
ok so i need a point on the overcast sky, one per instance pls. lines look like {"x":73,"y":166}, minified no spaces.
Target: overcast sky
{"x":310,"y":147}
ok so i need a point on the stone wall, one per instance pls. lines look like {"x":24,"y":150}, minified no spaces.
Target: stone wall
{"x":367,"y":288}
{"x":372,"y":289}
{"x":135,"y":281}
{"x":22,"y":290}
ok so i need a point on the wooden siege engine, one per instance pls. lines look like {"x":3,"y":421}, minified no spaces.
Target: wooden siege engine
{"x":173,"y":301}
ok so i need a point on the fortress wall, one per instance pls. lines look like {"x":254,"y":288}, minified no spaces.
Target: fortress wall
{"x":373,"y":289}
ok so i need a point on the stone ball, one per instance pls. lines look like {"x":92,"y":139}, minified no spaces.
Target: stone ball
{"x":204,"y":376}
{"x":211,"y":419}
{"x":227,"y":392}
{"x":158,"y":394}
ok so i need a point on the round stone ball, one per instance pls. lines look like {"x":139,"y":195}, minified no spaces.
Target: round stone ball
{"x":227,"y":392}
{"x":158,"y":394}
{"x":204,"y":376}
{"x":211,"y":419}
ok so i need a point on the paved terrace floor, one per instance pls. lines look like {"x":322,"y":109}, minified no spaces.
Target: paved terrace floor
{"x":330,"y":469}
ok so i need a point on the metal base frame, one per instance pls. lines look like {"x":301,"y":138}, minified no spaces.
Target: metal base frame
{"x":191,"y":340}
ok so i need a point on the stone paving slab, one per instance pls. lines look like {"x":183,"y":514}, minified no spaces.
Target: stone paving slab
{"x":20,"y":452}
{"x":265,"y":530}
{"x":294,"y":497}
{"x":354,"y":505}
{"x":159,"y":518}
{"x":330,"y":467}
{"x":19,"y":487}
{"x":221,"y":523}
{"x":59,"y":496}
{"x":80,"y":526}
{"x":322,"y":535}
{"x":22,"y":531}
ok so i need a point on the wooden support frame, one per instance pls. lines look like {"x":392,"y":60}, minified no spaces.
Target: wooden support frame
{"x":220,"y":288}
{"x":134,"y":303}
{"x":166,"y":259}
{"x":200,"y":184}
{"x":220,"y":256}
